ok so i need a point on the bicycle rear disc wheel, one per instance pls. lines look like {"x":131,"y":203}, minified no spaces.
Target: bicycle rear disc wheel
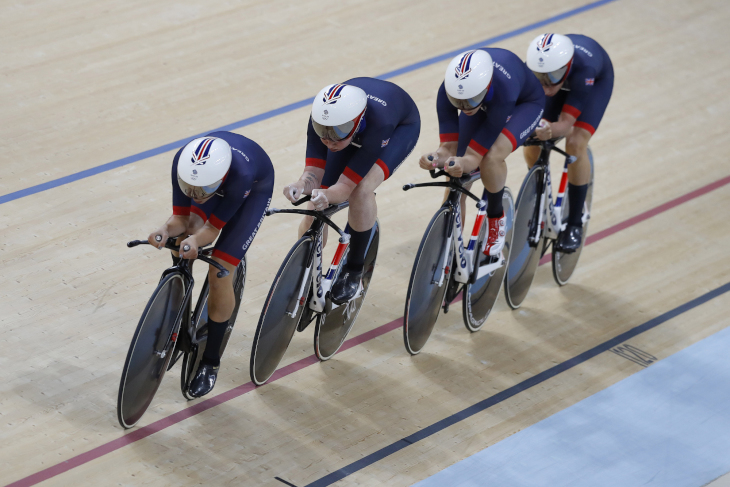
{"x":425,"y":297}
{"x":276,"y":327}
{"x":565,"y":264}
{"x":333,"y":327}
{"x":524,"y":256}
{"x":150,"y":350}
{"x":479,"y":298}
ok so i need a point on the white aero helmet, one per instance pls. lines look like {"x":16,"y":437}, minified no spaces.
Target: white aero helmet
{"x":202,"y":165}
{"x":337,"y":111}
{"x":468,"y":78}
{"x":549,"y":57}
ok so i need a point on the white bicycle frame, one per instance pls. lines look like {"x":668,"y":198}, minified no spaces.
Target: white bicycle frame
{"x":550,"y":217}
{"x":466,"y":258}
{"x":322,"y":285}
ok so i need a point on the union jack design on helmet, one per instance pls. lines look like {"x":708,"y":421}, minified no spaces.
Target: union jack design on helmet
{"x":333,"y":94}
{"x":202,"y":153}
{"x":463,"y":68}
{"x":545,"y":43}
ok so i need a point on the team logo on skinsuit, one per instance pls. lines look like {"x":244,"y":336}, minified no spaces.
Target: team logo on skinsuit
{"x":385,"y":142}
{"x":333,"y":94}
{"x":590,"y":81}
{"x":545,"y":43}
{"x":464,"y":67}
{"x":202,"y":153}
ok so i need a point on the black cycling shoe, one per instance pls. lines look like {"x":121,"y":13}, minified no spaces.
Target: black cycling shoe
{"x":346,"y":285}
{"x":204,"y":380}
{"x":569,"y":239}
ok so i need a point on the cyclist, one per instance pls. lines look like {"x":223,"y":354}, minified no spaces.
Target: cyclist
{"x":359,"y":133}
{"x":501,"y":103}
{"x":577,"y":77}
{"x":221,"y":185}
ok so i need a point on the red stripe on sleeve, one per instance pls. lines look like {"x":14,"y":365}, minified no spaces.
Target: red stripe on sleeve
{"x":199,"y":212}
{"x":449,"y":138}
{"x":314,"y":162}
{"x":225,"y":257}
{"x":216,"y":222}
{"x":385,"y":169}
{"x":355,"y":177}
{"x":585,"y":126}
{"x":477,"y":147}
{"x":181,"y":210}
{"x":324,"y":187}
{"x":511,"y":138}
{"x":572,"y":111}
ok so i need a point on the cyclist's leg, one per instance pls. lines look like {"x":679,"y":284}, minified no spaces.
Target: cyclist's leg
{"x":523,"y":121}
{"x":235,"y":239}
{"x":576,"y":144}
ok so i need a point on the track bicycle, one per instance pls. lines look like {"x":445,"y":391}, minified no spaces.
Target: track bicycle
{"x":443,"y":267}
{"x":170,"y":329}
{"x":538,"y":221}
{"x":300,"y":294}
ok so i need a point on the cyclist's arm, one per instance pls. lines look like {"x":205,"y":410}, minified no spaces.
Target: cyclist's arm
{"x":562,"y":127}
{"x":340,"y":191}
{"x":312,"y":178}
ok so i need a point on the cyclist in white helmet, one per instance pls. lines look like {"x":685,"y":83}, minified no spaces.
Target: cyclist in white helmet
{"x":488,"y":104}
{"x":359,"y":133}
{"x":577,"y":77}
{"x":221,"y":185}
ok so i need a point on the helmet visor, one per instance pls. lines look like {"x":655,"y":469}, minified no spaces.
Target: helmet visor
{"x":468,"y":103}
{"x":198,"y":192}
{"x":553,"y":78}
{"x":336,"y":133}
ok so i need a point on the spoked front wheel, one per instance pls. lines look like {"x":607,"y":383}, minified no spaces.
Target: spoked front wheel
{"x":479,"y":298}
{"x":564,"y":264}
{"x":334,"y":325}
{"x":150,"y":350}
{"x":276,"y":324}
{"x":525,"y":254}
{"x":429,"y":280}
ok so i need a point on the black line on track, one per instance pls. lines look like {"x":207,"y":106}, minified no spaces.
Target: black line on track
{"x":285,"y":482}
{"x":514,"y":390}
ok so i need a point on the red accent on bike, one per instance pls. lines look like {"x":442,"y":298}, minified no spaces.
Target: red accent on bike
{"x":563,"y":181}
{"x":477,"y":225}
{"x":301,"y":301}
{"x":338,"y":255}
{"x":174,"y":337}
{"x":447,"y":270}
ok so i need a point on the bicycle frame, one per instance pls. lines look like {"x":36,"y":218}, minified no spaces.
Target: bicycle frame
{"x":322,"y":284}
{"x":549,"y":222}
{"x":466,"y":257}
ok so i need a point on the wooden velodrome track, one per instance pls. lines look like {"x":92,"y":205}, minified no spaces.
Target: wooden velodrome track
{"x":86,"y":83}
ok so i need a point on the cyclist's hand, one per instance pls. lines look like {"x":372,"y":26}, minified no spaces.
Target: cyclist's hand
{"x":429,"y":161}
{"x":319,"y":199}
{"x":158,"y":238}
{"x":544,"y":130}
{"x":192,"y":252}
{"x":453,"y":167}
{"x":294,"y":191}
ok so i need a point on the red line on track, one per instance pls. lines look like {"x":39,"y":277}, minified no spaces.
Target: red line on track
{"x":161,"y":424}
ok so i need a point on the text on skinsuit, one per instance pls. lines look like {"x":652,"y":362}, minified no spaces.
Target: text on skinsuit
{"x":532,"y":126}
{"x":244,"y":155}
{"x":590,"y":54}
{"x":501,"y":68}
{"x":250,"y":239}
{"x":378,"y":100}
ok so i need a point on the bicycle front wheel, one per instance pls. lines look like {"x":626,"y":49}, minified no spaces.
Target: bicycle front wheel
{"x":565,"y":264}
{"x":425,"y":291}
{"x":150,"y":350}
{"x":479,"y":298}
{"x":524,"y":255}
{"x":334,"y":326}
{"x":276,"y":325}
